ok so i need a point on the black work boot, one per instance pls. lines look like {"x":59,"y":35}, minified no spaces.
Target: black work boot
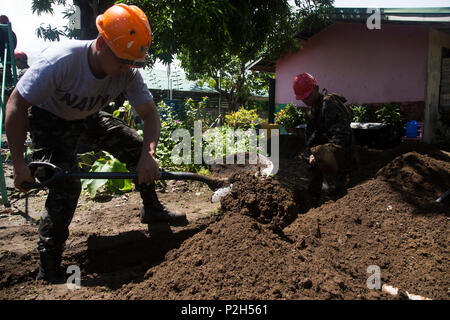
{"x":162,"y":214}
{"x":50,"y":267}
{"x":155,"y":212}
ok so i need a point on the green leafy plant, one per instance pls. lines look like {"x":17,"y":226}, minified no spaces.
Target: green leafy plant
{"x":390,"y":114}
{"x":169,"y":123}
{"x":289,"y":117}
{"x":105,"y":163}
{"x":196,"y":111}
{"x":125,"y":113}
{"x":363,"y":113}
{"x":243,"y":119}
{"x":222,"y":141}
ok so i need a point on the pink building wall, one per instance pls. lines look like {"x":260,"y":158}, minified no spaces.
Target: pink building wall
{"x":366,"y":66}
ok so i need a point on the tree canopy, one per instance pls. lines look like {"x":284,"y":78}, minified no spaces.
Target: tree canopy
{"x":89,"y":9}
{"x":213,"y":38}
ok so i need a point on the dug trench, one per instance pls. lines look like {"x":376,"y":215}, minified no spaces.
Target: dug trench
{"x":267,"y":242}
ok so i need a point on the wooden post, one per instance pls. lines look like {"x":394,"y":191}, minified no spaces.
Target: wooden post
{"x":271,"y":101}
{"x":437,"y":41}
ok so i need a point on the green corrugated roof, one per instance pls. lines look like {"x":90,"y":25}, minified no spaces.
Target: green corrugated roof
{"x":409,"y":11}
{"x":361,"y":13}
{"x":427,"y":11}
{"x":157,"y":79}
{"x":438,"y":18}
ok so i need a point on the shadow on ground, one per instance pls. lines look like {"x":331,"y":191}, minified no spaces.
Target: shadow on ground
{"x":112,"y":261}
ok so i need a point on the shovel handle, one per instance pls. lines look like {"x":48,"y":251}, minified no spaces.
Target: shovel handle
{"x":59,"y":174}
{"x":33,"y":166}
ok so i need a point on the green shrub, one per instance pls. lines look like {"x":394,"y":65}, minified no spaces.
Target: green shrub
{"x":390,"y":114}
{"x":169,"y":123}
{"x":193,"y":112}
{"x":290,"y":116}
{"x":243,"y":119}
{"x":125,"y":113}
{"x":363,"y":113}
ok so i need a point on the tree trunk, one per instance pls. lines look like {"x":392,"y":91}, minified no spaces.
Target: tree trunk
{"x":87,"y":17}
{"x":90,"y":9}
{"x":236,"y":98}
{"x":233,"y":97}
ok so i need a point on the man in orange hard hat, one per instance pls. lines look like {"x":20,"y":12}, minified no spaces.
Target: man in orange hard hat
{"x":329,"y":138}
{"x":66,"y":88}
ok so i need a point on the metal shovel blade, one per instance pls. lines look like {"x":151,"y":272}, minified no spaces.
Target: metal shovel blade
{"x":267,"y":171}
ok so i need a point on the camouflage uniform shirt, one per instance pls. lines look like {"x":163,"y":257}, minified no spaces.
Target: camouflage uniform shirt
{"x":328,"y":121}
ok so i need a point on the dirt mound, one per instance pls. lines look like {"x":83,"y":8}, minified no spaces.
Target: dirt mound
{"x":275,"y":200}
{"x":264,"y":199}
{"x":324,"y":253}
{"x":374,"y":224}
{"x":418,"y":174}
{"x":233,"y":258}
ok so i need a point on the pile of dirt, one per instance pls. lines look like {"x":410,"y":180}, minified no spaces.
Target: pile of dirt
{"x":418,"y":175}
{"x":264,"y":199}
{"x":268,"y":243}
{"x":233,"y":258}
{"x":275,"y":200}
{"x":376,"y":225}
{"x":324,"y":254}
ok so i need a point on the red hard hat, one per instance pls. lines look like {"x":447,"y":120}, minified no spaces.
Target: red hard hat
{"x":304,"y":84}
{"x":20,"y":55}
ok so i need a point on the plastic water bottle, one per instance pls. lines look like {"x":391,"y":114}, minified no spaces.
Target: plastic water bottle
{"x":411,"y":129}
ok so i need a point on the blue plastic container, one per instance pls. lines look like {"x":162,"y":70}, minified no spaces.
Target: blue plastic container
{"x":411,"y":129}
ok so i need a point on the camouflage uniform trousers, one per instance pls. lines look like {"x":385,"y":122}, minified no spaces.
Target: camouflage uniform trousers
{"x":336,"y":184}
{"x":56,"y":140}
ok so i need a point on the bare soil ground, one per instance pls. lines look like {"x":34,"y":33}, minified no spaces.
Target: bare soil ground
{"x":263,"y":241}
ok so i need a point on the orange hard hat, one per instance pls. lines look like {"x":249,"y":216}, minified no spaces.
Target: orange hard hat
{"x":127,"y":32}
{"x":304,"y":84}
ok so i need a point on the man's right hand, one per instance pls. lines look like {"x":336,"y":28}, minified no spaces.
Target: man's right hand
{"x":22,"y":174}
{"x":16,"y":131}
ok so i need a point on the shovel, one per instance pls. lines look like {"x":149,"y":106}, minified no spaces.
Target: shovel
{"x":57,"y":174}
{"x":220,"y":186}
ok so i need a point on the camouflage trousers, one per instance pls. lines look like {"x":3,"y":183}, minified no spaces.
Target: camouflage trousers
{"x":56,"y":140}
{"x":336,"y":184}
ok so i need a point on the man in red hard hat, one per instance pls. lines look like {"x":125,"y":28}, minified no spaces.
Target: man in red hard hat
{"x":21,"y":63}
{"x":64,"y":92}
{"x":329,"y":138}
{"x":21,"y":60}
